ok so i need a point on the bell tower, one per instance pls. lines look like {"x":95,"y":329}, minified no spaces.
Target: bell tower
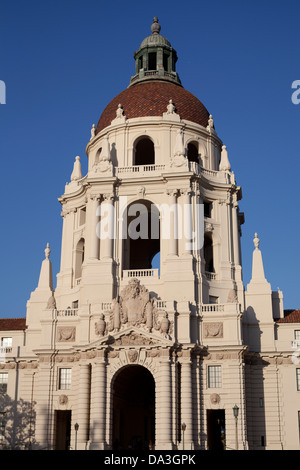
{"x":159,"y":202}
{"x":150,"y":272}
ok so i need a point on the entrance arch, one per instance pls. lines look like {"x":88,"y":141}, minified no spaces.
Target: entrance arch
{"x":133,"y":402}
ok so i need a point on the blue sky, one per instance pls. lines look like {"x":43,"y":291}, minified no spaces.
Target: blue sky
{"x":63,"y":61}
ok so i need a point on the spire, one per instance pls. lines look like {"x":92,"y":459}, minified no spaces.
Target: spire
{"x":76,"y":174}
{"x":45,"y":280}
{"x":224,"y":162}
{"x":258,"y":273}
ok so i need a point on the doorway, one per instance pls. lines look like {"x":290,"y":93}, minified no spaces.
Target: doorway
{"x":133,"y":397}
{"x":62,"y":429}
{"x":216,"y":430}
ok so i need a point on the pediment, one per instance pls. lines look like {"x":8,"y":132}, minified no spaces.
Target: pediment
{"x":133,"y":336}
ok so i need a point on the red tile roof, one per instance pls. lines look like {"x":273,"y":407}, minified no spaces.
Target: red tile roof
{"x":9,"y":324}
{"x":151,"y":99}
{"x":291,"y":316}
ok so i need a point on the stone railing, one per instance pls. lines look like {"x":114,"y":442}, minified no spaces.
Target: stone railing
{"x":221,"y":308}
{"x":220,"y":176}
{"x":210,"y":276}
{"x":67,"y":312}
{"x":124,"y":171}
{"x":133,"y":273}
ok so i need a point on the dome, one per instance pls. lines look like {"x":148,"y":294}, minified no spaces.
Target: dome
{"x":155,"y":40}
{"x":151,"y":98}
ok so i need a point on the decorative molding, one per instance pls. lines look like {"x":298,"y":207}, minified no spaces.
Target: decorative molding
{"x":213,"y":330}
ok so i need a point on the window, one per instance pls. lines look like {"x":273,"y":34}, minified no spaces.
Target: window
{"x":79,"y":258}
{"x":298,"y":379}
{"x":208,"y":253}
{"x":166,"y":62}
{"x":192,"y":152}
{"x":65,"y":379}
{"x":214,"y":377}
{"x":207,"y":209}
{"x":152,"y":61}
{"x":297,"y":335}
{"x":82,"y":216}
{"x":6,"y":342}
{"x":3,"y":382}
{"x":144,"y":153}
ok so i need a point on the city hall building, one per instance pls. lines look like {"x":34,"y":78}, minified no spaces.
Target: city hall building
{"x":150,"y":339}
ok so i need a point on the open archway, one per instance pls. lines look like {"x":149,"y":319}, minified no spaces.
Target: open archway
{"x":141,"y":242}
{"x":133,"y":400}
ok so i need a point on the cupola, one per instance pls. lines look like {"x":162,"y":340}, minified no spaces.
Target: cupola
{"x":155,"y":59}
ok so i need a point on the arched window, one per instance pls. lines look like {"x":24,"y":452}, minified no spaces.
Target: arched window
{"x":208,"y":253}
{"x":144,"y":152}
{"x":79,"y":258}
{"x":192,"y":152}
{"x":142,"y":241}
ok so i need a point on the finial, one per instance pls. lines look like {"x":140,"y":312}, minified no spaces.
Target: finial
{"x":47,"y":251}
{"x":256,"y":241}
{"x":93,"y":131}
{"x":155,"y":27}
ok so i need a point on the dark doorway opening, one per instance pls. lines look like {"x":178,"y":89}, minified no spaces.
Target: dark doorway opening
{"x":216,"y":429}
{"x":133,"y":409}
{"x":62,"y":429}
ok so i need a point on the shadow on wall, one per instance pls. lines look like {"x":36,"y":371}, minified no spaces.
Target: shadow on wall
{"x":17,"y":424}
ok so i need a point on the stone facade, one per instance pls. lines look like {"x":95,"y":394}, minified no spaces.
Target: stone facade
{"x":183,"y":341}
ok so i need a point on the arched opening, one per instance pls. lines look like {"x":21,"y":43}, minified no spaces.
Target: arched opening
{"x":79,"y":258}
{"x":144,"y":152}
{"x":141,"y":241}
{"x":192,"y":152}
{"x":208,"y":253}
{"x":133,"y":397}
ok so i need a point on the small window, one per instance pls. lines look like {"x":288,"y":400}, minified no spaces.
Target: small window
{"x":65,"y":379}
{"x":213,"y":299}
{"x":6,"y":342}
{"x":192,"y":153}
{"x":3,"y":382}
{"x":207,"y":209}
{"x":75,"y":304}
{"x":298,"y":379}
{"x":152,"y":61}
{"x":166,"y":61}
{"x":261,"y":402}
{"x":82,"y":216}
{"x":214,"y":377}
{"x":141,"y":63}
{"x":297,"y":335}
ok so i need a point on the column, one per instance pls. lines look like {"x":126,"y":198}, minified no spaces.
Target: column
{"x":107,"y":227}
{"x":83,"y":406}
{"x":235,"y":230}
{"x":98,"y":404}
{"x":187,"y":402}
{"x":173,"y":224}
{"x":94,"y":218}
{"x":187,"y":222}
{"x":164,"y":407}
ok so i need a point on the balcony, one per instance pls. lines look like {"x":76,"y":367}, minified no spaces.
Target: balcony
{"x":141,"y":273}
{"x":145,"y":170}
